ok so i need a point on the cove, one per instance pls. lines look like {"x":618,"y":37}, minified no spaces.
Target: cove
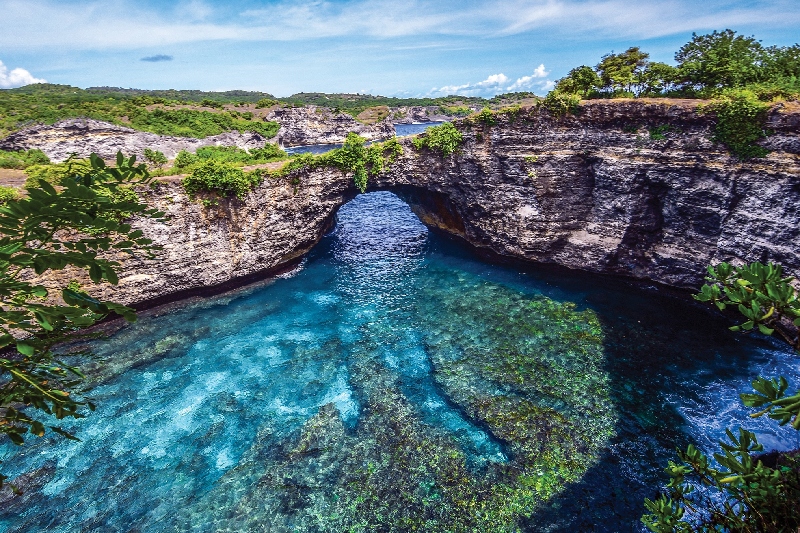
{"x":395,"y":382}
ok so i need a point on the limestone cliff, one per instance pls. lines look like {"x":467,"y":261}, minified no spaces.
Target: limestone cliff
{"x":594,"y":192}
{"x":85,"y":136}
{"x":319,"y":125}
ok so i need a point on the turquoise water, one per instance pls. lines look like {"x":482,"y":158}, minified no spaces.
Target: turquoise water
{"x":392,"y":382}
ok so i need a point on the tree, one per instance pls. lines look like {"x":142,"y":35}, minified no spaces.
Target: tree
{"x":720,"y":59}
{"x":656,"y":79}
{"x":47,"y":230}
{"x":581,"y":80}
{"x":782,"y":62}
{"x":619,"y":72}
{"x":155,"y":157}
{"x":747,"y":492}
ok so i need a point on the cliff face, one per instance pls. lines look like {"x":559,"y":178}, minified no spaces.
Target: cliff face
{"x":594,"y":192}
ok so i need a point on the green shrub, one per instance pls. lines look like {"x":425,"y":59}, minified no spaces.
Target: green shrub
{"x":560,"y":104}
{"x":486,"y":117}
{"x":353,"y":156}
{"x":24,"y":159}
{"x":55,"y":173}
{"x":265,"y":102}
{"x":194,"y":123}
{"x":234,"y":154}
{"x":658,"y":133}
{"x":8,"y":194}
{"x":741,"y":119}
{"x":184,"y":160}
{"x":444,"y":139}
{"x":223,"y":179}
{"x":155,"y":157}
{"x":210,"y":103}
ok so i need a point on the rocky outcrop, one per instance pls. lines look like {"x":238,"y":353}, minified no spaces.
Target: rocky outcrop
{"x":320,"y":125}
{"x":419,"y":114}
{"x":86,"y":136}
{"x":594,"y":192}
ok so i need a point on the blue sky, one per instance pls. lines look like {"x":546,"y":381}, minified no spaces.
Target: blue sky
{"x":387,"y":47}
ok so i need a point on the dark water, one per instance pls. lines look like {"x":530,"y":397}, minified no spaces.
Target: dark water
{"x":392,"y":383}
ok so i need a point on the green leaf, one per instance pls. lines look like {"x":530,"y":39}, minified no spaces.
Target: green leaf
{"x":765,"y":330}
{"x":24,"y":348}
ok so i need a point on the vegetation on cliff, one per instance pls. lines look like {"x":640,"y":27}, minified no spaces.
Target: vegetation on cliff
{"x":49,"y":229}
{"x":444,"y":139}
{"x":46,"y":103}
{"x":354,"y":156}
{"x":740,"y":74}
{"x":745,"y":490}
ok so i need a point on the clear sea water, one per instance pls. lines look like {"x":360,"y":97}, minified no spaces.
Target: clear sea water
{"x":395,"y":380}
{"x":401,"y":130}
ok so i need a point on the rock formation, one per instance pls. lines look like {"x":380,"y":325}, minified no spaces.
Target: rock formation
{"x":319,"y":125}
{"x":594,"y":192}
{"x":84,"y":136}
{"x":419,"y":114}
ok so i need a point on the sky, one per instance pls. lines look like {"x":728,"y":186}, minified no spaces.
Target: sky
{"x":383,"y":47}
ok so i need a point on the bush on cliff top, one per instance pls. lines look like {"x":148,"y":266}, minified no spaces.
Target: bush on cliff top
{"x":223,"y":179}
{"x":363,"y":161}
{"x":444,"y":139}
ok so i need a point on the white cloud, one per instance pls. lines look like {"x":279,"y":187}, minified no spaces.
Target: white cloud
{"x":16,"y":78}
{"x":98,"y":24}
{"x":527,"y":82}
{"x":491,"y":85}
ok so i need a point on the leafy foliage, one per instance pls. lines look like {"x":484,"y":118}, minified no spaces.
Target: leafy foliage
{"x":24,"y":159}
{"x":155,"y":157}
{"x":52,"y":229}
{"x":47,"y":103}
{"x":560,"y":104}
{"x":719,"y":60}
{"x":194,"y":123}
{"x":224,"y":179}
{"x":234,"y":154}
{"x":8,"y":194}
{"x":363,"y":161}
{"x":761,"y":293}
{"x":444,"y":139}
{"x":743,"y":494}
{"x":747,"y":492}
{"x":55,"y":173}
{"x":705,"y":67}
{"x":741,"y":119}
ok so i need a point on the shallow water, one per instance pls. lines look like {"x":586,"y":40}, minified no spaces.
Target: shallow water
{"x":394,"y":382}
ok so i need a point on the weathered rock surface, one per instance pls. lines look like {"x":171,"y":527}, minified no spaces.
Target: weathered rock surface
{"x":588,"y":192}
{"x":319,"y":125}
{"x":418,"y":114}
{"x":84,"y":136}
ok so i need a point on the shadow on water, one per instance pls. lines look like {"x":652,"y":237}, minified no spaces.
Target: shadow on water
{"x":675,"y":373}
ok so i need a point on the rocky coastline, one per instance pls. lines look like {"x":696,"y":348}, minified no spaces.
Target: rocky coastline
{"x":594,"y":192}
